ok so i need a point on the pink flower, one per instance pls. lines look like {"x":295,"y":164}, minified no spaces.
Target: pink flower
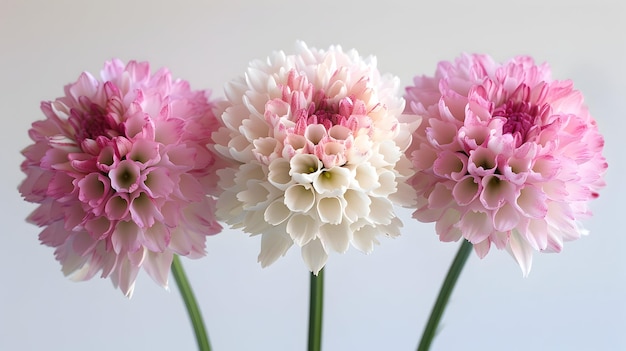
{"x":119,"y":169}
{"x":317,"y":152}
{"x":505,"y":155}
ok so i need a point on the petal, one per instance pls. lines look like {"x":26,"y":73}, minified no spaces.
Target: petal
{"x":365,"y":238}
{"x":357,"y":204}
{"x":302,"y":228}
{"x":330,"y":210}
{"x":299,"y":197}
{"x":273,"y":246}
{"x":476,"y":226}
{"x":314,"y":255}
{"x":532,"y":202}
{"x":522,"y":252}
{"x":336,"y":237}
{"x":276,"y":212}
{"x":332,"y":181}
{"x":506,"y":218}
{"x":158,"y":265}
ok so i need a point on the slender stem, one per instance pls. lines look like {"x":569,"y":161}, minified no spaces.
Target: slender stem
{"x":316,"y":306}
{"x":192,"y":306}
{"x":444,"y":295}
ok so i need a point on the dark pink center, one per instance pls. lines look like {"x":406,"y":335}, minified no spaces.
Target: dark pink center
{"x":327,"y":113}
{"x":521,"y":119}
{"x":92,"y":123}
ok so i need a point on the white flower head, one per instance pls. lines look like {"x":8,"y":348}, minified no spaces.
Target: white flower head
{"x":317,"y":143}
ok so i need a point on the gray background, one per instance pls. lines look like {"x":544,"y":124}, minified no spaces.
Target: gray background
{"x":570,"y":301}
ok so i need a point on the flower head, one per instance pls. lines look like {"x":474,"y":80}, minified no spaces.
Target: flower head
{"x":316,"y":146}
{"x":119,"y":168}
{"x":505,"y":155}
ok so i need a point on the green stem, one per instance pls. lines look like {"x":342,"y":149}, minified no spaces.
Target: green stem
{"x":192,"y":306}
{"x":316,"y":305}
{"x":444,"y":295}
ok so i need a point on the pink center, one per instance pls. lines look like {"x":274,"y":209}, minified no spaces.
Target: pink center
{"x":93,"y":122}
{"x":521,"y":120}
{"x":322,"y":111}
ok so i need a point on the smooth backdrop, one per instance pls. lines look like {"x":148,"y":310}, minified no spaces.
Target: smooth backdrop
{"x":574,"y":300}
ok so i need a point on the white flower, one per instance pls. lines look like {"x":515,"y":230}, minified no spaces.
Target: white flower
{"x":316,"y":142}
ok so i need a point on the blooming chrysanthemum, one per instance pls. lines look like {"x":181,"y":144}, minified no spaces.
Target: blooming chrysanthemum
{"x":317,"y":151}
{"x":119,"y":168}
{"x":505,"y":155}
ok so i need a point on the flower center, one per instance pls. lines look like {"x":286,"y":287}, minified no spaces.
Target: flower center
{"x":92,"y":123}
{"x":521,"y":120}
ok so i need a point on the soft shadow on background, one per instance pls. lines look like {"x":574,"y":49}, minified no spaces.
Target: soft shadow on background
{"x":571,"y":301}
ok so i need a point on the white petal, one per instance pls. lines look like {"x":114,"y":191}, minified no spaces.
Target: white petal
{"x":388,"y":184}
{"x":254,"y":196}
{"x":273,"y":246}
{"x":314,"y":256}
{"x":276,"y":212}
{"x":304,"y":168}
{"x":365,"y":238}
{"x":381,"y":210}
{"x":299,"y":198}
{"x":336,"y":237}
{"x":392,"y":229}
{"x":332,"y":181}
{"x":366,"y":176}
{"x":330,"y":210}
{"x":279,"y":173}
{"x":357,"y":204}
{"x":302,"y":228}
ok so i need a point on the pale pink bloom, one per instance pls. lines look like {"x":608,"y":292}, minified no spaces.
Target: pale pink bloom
{"x":317,"y":150}
{"x":120,"y":170}
{"x":505,"y":155}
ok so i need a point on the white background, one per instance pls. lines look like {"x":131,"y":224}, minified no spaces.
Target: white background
{"x":571,"y":301}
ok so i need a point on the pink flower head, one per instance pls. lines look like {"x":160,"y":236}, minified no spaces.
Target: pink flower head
{"x":505,"y":155}
{"x":120,"y":170}
{"x":317,"y":151}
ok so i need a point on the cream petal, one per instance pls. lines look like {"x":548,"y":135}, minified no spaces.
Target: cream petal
{"x":388,"y":184}
{"x":302,"y":228}
{"x":381,"y":210}
{"x":304,"y":168}
{"x":279,"y":173}
{"x":365,"y":238}
{"x":336,"y":237}
{"x":273,"y":246}
{"x":332,"y":182}
{"x":366,"y":176}
{"x":330,"y":210}
{"x":299,"y":197}
{"x":276,"y":212}
{"x":357,"y":204}
{"x":314,"y":255}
